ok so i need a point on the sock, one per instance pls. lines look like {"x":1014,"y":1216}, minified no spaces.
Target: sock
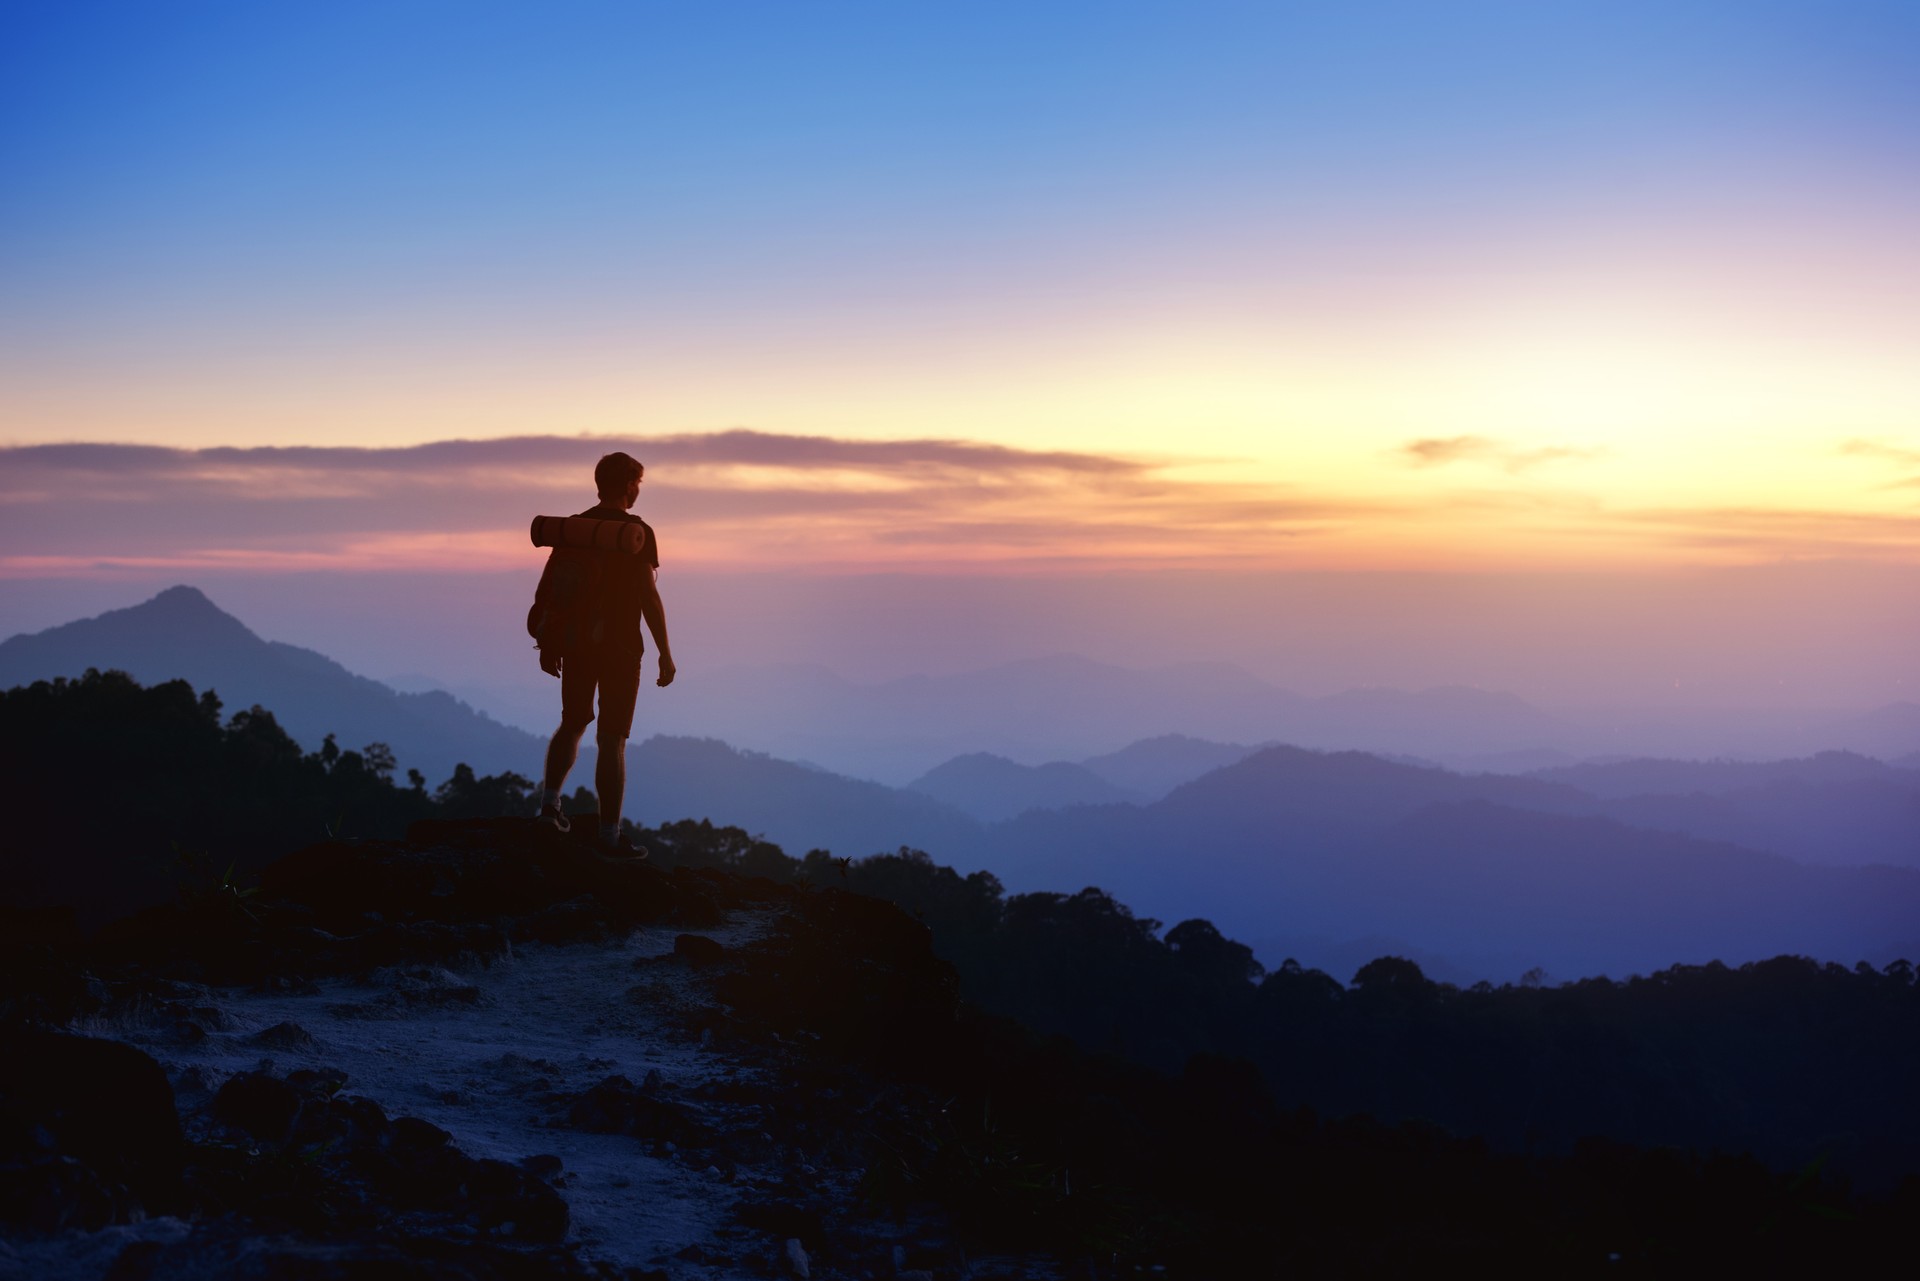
{"x":549,"y":796}
{"x":609,"y":832}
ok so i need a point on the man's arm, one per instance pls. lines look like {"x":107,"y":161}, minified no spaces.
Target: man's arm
{"x":655,"y":614}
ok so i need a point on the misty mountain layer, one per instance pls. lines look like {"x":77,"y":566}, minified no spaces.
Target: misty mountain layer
{"x":181,"y":635}
{"x":1593,"y":868}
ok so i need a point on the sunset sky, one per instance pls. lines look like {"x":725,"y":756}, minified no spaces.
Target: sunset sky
{"x":978,"y":288}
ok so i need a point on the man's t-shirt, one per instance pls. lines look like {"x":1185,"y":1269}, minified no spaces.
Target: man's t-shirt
{"x":626,"y":580}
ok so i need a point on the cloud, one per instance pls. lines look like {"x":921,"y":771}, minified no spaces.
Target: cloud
{"x":463,"y":460}
{"x":734,"y":497}
{"x":759,"y":500}
{"x":1439,"y":451}
{"x":1894,"y":455}
{"x":1781,"y":533}
{"x":1898,"y":455}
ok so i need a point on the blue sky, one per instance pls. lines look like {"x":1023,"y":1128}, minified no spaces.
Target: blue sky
{"x":191,"y":158}
{"x":1205,"y":289}
{"x":1605,"y":268}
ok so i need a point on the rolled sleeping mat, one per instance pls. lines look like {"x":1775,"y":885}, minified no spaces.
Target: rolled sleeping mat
{"x":585,"y":531}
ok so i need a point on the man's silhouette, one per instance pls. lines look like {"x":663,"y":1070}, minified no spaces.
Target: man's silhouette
{"x":612,"y":664}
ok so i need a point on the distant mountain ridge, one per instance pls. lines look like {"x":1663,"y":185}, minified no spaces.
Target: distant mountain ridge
{"x":992,"y":787}
{"x":1290,"y":845}
{"x":1066,"y":707}
{"x":181,"y":634}
{"x":1275,"y":844}
{"x":1833,"y":807}
{"x":1652,"y":776}
{"x":1155,"y":766}
{"x":796,"y":806}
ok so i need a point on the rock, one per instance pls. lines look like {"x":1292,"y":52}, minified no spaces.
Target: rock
{"x":411,"y":1131}
{"x":858,"y":974}
{"x":544,"y":1165}
{"x":88,"y":1133}
{"x":698,"y":950}
{"x":618,"y":1106}
{"x":514,"y":1202}
{"x":285,"y":1036}
{"x":317,"y":1082}
{"x":350,"y":1152}
{"x":192,"y":1080}
{"x":797,"y":1258}
{"x":698,"y":909}
{"x":781,"y":1219}
{"x":259,"y":1104}
{"x":210,"y":1018}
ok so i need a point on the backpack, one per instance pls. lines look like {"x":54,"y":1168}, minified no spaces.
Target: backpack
{"x":569,"y":606}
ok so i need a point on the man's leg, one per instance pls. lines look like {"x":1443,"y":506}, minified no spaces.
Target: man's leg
{"x":562,"y":751}
{"x":576,"y":713}
{"x":619,"y":687}
{"x":610,"y":777}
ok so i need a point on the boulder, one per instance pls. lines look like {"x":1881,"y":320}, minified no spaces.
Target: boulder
{"x":88,"y":1133}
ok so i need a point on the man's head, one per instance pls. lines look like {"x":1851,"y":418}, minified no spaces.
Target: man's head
{"x":617,"y":477}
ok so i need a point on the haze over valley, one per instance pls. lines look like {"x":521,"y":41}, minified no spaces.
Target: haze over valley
{"x":1450,"y":825}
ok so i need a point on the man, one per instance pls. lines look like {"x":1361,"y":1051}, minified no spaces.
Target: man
{"x":612,"y":666}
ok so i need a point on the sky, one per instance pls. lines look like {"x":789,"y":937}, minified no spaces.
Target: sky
{"x":345,"y":293}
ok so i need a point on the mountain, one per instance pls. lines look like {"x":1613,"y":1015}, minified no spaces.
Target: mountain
{"x":1834,"y":808}
{"x":1066,"y":708}
{"x":1291,"y":844}
{"x":1842,"y":822}
{"x":1647,"y":776}
{"x":795,"y":806}
{"x":992,"y":787}
{"x":1155,"y":766}
{"x":1284,"y":843}
{"x":180,"y":634}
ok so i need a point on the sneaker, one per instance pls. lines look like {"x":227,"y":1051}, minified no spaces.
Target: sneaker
{"x":553,"y":816}
{"x":621,"y":846}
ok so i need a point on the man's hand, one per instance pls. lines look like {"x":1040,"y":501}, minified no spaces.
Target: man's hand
{"x":549,"y":663}
{"x":666,"y":670}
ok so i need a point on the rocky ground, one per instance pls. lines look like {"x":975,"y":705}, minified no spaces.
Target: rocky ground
{"x":484,"y":1051}
{"x":488,"y":1052}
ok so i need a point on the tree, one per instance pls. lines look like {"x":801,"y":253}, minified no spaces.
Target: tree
{"x":1204,"y":951}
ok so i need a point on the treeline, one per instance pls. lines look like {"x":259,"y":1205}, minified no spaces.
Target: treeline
{"x":136,"y":794}
{"x":1797,"y":1062}
{"x":129,"y":794}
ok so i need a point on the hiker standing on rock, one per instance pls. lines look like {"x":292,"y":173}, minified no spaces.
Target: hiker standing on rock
{"x":589,"y":634}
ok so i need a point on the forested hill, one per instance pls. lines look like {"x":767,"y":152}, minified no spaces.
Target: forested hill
{"x":180,"y":634}
{"x":487,"y":1051}
{"x":1498,"y":874}
{"x":1793,"y":1060}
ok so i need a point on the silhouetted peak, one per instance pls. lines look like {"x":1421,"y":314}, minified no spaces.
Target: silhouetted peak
{"x":178,"y":615}
{"x":183,"y":598}
{"x":975,"y":763}
{"x":182,"y":610}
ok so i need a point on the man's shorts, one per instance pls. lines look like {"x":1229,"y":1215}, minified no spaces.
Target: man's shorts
{"x":616,"y":674}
